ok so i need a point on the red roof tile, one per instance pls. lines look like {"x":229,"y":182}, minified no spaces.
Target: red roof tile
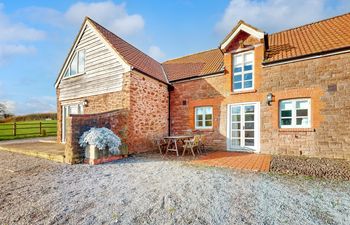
{"x":322,"y":36}
{"x":198,"y":64}
{"x":133,"y":56}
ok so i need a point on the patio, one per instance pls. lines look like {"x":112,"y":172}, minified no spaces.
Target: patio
{"x":235,"y":160}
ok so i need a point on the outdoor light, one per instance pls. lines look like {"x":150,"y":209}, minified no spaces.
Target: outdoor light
{"x":85,"y":102}
{"x":269,"y":98}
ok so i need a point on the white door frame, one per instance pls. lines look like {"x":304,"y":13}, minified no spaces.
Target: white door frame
{"x":256,"y":128}
{"x":65,"y":114}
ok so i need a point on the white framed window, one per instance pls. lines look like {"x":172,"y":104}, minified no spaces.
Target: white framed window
{"x":77,"y":66}
{"x":295,"y":113}
{"x":243,"y":71}
{"x":204,"y":117}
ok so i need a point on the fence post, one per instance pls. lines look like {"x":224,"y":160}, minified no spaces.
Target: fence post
{"x":14,"y":129}
{"x":40,"y":127}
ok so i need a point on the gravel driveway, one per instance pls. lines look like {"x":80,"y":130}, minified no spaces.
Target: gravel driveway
{"x":148,"y":190}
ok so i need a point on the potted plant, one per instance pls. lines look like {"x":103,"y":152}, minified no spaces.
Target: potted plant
{"x":101,"y":145}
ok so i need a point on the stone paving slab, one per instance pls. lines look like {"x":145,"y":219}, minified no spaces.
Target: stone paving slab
{"x":46,"y":150}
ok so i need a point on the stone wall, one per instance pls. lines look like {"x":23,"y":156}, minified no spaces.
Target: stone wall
{"x":116,"y":120}
{"x":148,"y":112}
{"x":326,"y":81}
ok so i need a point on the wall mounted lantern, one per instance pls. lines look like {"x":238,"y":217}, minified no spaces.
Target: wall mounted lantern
{"x":85,"y":103}
{"x":269,"y":98}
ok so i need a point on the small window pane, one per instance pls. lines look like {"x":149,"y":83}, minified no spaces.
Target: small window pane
{"x":208,"y":110}
{"x":236,"y":133}
{"x":249,"y":134}
{"x":238,"y":59}
{"x":286,"y":105}
{"x":302,"y":104}
{"x":286,"y":113}
{"x":248,"y":84}
{"x":200,"y":117}
{"x":199,"y":110}
{"x":81,"y":67}
{"x":249,"y":125}
{"x":302,"y":112}
{"x":199,"y":123}
{"x":236,"y":142}
{"x":236,"y":117}
{"x":74,"y":65}
{"x":237,"y":70}
{"x":236,"y":125}
{"x":248,"y":57}
{"x":248,"y":76}
{"x":249,"y":109}
{"x":66,"y":73}
{"x":237,"y":86}
{"x":249,"y":142}
{"x":249,"y":117}
{"x":237,"y":78}
{"x":236,"y":110}
{"x":286,"y":121}
{"x":208,"y":116}
{"x":302,"y":121}
{"x":208,"y":123}
{"x":248,"y":67}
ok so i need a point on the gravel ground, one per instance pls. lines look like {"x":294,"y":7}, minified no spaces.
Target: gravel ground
{"x":148,"y":190}
{"x":322,"y":168}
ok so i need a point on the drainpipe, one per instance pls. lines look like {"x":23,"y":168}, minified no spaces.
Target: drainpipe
{"x":170,"y":88}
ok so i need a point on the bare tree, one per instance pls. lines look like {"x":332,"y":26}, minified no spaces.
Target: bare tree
{"x":4,"y":112}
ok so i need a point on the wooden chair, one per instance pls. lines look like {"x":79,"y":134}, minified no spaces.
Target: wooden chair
{"x":202,"y":141}
{"x":162,"y":145}
{"x":191,"y":144}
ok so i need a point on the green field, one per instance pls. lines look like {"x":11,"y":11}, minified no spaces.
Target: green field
{"x":28,"y":129}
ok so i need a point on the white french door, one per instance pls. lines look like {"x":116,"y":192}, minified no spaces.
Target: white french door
{"x":243,"y":127}
{"x":66,"y":111}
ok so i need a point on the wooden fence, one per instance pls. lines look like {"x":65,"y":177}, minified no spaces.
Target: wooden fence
{"x":28,"y":129}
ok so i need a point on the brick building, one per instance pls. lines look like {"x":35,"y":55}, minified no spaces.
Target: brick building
{"x":280,"y":93}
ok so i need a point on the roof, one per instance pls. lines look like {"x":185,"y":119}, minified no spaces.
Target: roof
{"x":133,"y":56}
{"x":240,"y":23}
{"x":318,"y":37}
{"x":198,"y":64}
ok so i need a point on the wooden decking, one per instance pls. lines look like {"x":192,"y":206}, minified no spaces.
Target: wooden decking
{"x":235,"y":160}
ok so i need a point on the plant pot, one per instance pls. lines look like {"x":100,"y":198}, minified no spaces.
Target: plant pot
{"x":94,"y":156}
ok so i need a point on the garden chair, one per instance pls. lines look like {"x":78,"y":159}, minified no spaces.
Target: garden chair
{"x":202,"y":141}
{"x":162,"y":145}
{"x":191,"y":144}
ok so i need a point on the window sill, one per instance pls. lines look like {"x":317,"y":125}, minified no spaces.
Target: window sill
{"x":76,"y":75}
{"x":204,"y":129}
{"x":297,"y":130}
{"x":243,"y":92}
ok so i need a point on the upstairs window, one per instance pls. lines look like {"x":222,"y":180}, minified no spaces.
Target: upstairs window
{"x":295,"y":113}
{"x":204,"y":117}
{"x":243,"y":74}
{"x":77,"y":65}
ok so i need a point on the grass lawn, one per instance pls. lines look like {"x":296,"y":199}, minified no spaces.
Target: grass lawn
{"x":27,"y":129}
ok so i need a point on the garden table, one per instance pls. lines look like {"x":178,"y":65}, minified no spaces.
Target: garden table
{"x":174,"y":140}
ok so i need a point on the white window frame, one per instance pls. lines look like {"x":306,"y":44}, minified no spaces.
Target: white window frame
{"x":294,"y":116}
{"x":203,"y":120}
{"x":69,"y":65}
{"x":243,"y":72}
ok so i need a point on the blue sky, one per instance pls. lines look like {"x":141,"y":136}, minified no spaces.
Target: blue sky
{"x":36,"y":35}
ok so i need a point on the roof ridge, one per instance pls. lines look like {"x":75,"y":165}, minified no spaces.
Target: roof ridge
{"x":312,"y":23}
{"x":190,"y":55}
{"x":123,"y":39}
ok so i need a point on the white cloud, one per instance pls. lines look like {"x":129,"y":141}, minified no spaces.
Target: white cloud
{"x":7,"y":51}
{"x":276,"y":15}
{"x":113,"y":16}
{"x":42,"y":104}
{"x":11,"y":31}
{"x":156,"y":53}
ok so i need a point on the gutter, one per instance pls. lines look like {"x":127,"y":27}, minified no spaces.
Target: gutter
{"x":170,"y":88}
{"x":198,"y":76}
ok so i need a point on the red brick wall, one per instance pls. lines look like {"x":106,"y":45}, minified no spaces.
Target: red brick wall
{"x":149,"y":112}
{"x":116,"y":120}
{"x":329,"y":135}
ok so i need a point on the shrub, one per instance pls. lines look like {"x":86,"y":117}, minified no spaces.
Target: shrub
{"x":101,"y":138}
